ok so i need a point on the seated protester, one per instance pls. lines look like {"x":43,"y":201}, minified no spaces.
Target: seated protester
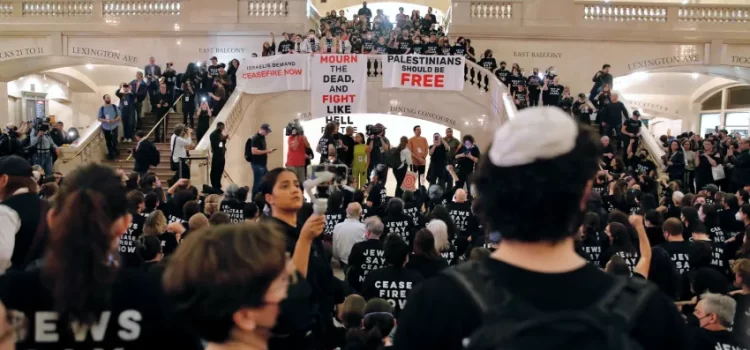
{"x":234,"y":299}
{"x":741,"y":323}
{"x":349,"y":316}
{"x":172,"y":209}
{"x":26,"y":235}
{"x":149,"y":251}
{"x":412,"y":209}
{"x":78,"y":285}
{"x":620,"y":243}
{"x":197,"y":222}
{"x":150,"y":203}
{"x":393,"y":282}
{"x":559,"y":173}
{"x":335,"y":214}
{"x":690,"y":220}
{"x":727,"y":221}
{"x":425,"y":259}
{"x":663,"y":273}
{"x":376,"y":194}
{"x":654,"y":222}
{"x":441,"y":213}
{"x":234,"y":202}
{"x":348,"y":233}
{"x":460,"y":211}
{"x":396,"y":222}
{"x":127,"y":243}
{"x":359,"y":197}
{"x":644,"y":165}
{"x":220,"y":218}
{"x":709,"y":214}
{"x":366,"y":256}
{"x":250,"y":212}
{"x":169,"y":235}
{"x":601,"y":183}
{"x":677,"y":247}
{"x":715,"y":314}
{"x":152,"y":184}
{"x":616,"y":198}
{"x":377,"y":325}
{"x":189,"y":209}
{"x":717,"y":257}
{"x":443,"y":245}
{"x":592,"y":241}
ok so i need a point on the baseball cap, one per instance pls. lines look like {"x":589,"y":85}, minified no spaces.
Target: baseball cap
{"x":381,"y":125}
{"x":711,"y":188}
{"x":265,"y":127}
{"x":636,"y":113}
{"x":15,"y":166}
{"x":214,"y":58}
{"x":582,"y":95}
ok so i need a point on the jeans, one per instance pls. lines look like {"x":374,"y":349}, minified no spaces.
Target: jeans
{"x":258,"y":172}
{"x":110,"y":138}
{"x":44,"y":160}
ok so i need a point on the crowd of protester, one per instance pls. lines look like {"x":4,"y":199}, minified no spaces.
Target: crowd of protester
{"x":153,"y":269}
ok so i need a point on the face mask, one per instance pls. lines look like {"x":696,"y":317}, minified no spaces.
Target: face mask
{"x":738,"y":216}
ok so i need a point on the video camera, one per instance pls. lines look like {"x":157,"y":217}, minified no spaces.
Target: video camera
{"x":293,"y":128}
{"x":340,"y":176}
{"x":42,"y":124}
{"x":372,"y":130}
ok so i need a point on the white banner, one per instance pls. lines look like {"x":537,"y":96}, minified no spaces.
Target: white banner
{"x":338,"y":85}
{"x":424,"y":72}
{"x":274,"y":74}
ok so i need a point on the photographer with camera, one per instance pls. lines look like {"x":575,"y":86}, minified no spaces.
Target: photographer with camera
{"x":127,"y":112}
{"x":377,"y":148}
{"x":298,"y":144}
{"x":42,"y":148}
{"x":9,"y":142}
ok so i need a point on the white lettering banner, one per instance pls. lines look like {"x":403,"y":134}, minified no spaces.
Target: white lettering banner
{"x":338,"y":85}
{"x":275,"y":73}
{"x":424,"y":72}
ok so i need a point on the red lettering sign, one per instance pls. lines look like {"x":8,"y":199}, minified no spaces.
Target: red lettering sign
{"x":423,"y":80}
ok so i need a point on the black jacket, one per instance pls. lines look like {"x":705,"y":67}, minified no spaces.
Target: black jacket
{"x":145,"y":155}
{"x":677,"y":169}
{"x":741,"y":172}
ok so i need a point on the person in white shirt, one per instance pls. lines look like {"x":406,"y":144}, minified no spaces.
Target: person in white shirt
{"x":181,"y":142}
{"x":10,"y":224}
{"x":406,"y":164}
{"x":348,"y":233}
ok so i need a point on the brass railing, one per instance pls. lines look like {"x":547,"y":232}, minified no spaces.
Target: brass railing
{"x":163,"y":118}
{"x":83,"y":146}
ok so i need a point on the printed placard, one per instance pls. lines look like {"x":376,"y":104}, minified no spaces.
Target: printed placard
{"x":338,"y":85}
{"x":424,"y":72}
{"x":275,"y":73}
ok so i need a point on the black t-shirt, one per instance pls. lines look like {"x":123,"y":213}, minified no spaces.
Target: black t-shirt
{"x":593,"y":247}
{"x":645,"y":167}
{"x":488,"y":63}
{"x":445,"y":50}
{"x":168,"y":243}
{"x":514,"y":81}
{"x":381,"y":49}
{"x":213,"y":71}
{"x":333,"y":217}
{"x":741,"y":327}
{"x":403,"y":44}
{"x":412,"y":211}
{"x":259,"y":142}
{"x":364,"y":257}
{"x":323,"y":145}
{"x":286,"y":46}
{"x":400,"y":224}
{"x":552,"y":94}
{"x":631,"y":258}
{"x":393,"y":284}
{"x":680,"y":254}
{"x":128,"y":255}
{"x":377,"y":154}
{"x":459,"y":50}
{"x":428,"y":268}
{"x":460,"y":214}
{"x":430,"y":48}
{"x":440,"y":315}
{"x":502,"y":75}
{"x":377,"y":196}
{"x":439,"y":156}
{"x":218,"y":146}
{"x":172,"y":212}
{"x":633,"y":126}
{"x":417,"y":48}
{"x":136,"y":318}
{"x":718,"y":340}
{"x":717,"y":234}
{"x":703,"y":170}
{"x":600,"y":188}
{"x":465,"y":164}
{"x":235,"y":210}
{"x":368,"y":45}
{"x":582,"y":111}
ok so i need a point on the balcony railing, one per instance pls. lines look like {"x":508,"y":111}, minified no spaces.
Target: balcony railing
{"x":63,"y":9}
{"x":263,"y":8}
{"x":625,"y":13}
{"x":6,"y":9}
{"x":491,"y":10}
{"x":714,"y":15}
{"x":141,"y":8}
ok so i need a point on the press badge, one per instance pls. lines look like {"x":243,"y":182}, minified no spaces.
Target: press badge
{"x":125,"y":103}
{"x":187,"y":98}
{"x":221,"y":144}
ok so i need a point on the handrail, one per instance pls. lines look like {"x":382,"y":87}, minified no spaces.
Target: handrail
{"x":228,"y":177}
{"x":447,"y":19}
{"x":159,"y":122}
{"x":84,"y":145}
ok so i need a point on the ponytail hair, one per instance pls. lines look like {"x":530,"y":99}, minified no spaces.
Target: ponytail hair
{"x":79,"y":267}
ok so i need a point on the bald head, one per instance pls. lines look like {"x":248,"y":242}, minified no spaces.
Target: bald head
{"x":197,"y":222}
{"x":354,"y":211}
{"x":460,"y":195}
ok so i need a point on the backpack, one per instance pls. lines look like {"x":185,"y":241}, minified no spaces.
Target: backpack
{"x":509,"y":323}
{"x":393,"y":158}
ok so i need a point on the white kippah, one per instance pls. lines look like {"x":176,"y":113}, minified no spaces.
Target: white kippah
{"x":534,"y":134}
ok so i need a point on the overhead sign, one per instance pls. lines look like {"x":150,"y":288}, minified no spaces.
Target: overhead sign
{"x":275,"y":73}
{"x":338,"y":85}
{"x":420,"y":72}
